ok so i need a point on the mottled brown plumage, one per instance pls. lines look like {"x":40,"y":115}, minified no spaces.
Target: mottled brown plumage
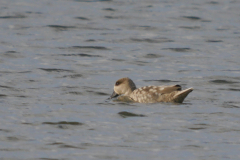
{"x":150,"y":94}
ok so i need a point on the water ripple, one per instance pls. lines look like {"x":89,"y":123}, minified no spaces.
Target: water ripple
{"x":221,"y":81}
{"x":161,"y":80}
{"x":60,"y":27}
{"x":192,"y":18}
{"x":154,"y":40}
{"x":179,"y":49}
{"x":126,"y":114}
{"x":81,"y":55}
{"x":13,"y":16}
{"x":63,"y":122}
{"x":86,"y":47}
{"x":82,"y":18}
{"x":55,"y":70}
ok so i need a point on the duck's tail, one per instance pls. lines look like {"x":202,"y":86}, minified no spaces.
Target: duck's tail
{"x":181,"y":95}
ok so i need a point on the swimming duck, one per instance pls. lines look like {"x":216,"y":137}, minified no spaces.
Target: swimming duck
{"x":149,"y":94}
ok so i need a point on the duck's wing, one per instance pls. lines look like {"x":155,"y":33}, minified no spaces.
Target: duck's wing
{"x":158,"y":90}
{"x":151,"y":94}
{"x":168,"y":89}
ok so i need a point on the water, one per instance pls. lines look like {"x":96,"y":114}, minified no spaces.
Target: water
{"x":60,"y":59}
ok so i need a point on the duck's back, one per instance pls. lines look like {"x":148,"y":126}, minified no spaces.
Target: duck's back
{"x":153,"y":94}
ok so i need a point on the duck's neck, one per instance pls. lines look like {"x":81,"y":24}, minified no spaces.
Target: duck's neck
{"x":130,"y":90}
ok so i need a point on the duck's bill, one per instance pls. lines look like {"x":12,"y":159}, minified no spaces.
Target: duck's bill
{"x":114,"y":94}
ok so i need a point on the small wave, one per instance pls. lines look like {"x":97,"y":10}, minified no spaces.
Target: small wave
{"x":13,"y":17}
{"x":82,"y":18}
{"x":192,"y":18}
{"x":55,"y":70}
{"x":126,"y":114}
{"x":109,"y":9}
{"x":214,"y":41}
{"x":150,"y":55}
{"x":190,"y":27}
{"x":179,"y":49}
{"x":63,"y":122}
{"x":73,"y":76}
{"x":161,"y":80}
{"x":221,"y":81}
{"x":89,"y":47}
{"x":148,"y":40}
{"x":63,"y":145}
{"x":81,"y":55}
{"x":60,"y":27}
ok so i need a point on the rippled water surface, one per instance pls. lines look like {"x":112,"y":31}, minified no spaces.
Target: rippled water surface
{"x":60,"y":59}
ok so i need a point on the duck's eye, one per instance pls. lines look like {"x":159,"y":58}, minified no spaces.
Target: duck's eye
{"x":117,"y":83}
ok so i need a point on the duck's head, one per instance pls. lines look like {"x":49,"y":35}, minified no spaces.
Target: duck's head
{"x":123,"y":86}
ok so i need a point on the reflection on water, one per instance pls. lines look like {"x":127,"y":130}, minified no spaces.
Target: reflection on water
{"x":60,"y":59}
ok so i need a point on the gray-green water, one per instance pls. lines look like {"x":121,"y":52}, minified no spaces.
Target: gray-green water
{"x":60,"y":58}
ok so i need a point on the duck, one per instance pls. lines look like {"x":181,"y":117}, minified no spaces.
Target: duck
{"x":149,"y":94}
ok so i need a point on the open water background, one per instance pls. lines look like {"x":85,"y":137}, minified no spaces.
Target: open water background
{"x":59,"y":60}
